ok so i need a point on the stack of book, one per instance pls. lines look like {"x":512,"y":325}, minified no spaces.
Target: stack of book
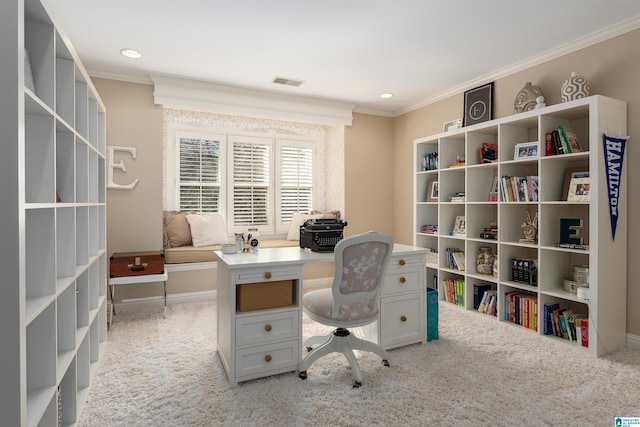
{"x":521,"y":309}
{"x":429,"y":229}
{"x":455,"y":259}
{"x":490,"y":233}
{"x":562,"y":140}
{"x":454,"y":291}
{"x":566,"y":324}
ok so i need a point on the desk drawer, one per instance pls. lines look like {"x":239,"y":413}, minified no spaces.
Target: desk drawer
{"x":264,"y":360}
{"x":268,"y":327}
{"x":265,"y":295}
{"x":403,"y":320}
{"x":268,"y":274}
{"x":401,"y":263}
{"x":403,"y":281}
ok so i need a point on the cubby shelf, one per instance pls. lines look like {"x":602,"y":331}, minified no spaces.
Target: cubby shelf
{"x":605,"y":257}
{"x":53,"y":306}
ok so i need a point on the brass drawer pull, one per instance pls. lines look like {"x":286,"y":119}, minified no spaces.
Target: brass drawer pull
{"x":268,"y":328}
{"x":267,"y":275}
{"x":403,"y":279}
{"x":402,"y":262}
{"x":403,"y":318}
{"x":267,"y":358}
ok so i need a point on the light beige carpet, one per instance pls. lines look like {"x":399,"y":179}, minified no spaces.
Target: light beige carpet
{"x":480,"y":372}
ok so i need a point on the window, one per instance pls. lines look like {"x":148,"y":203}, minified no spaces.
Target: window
{"x":254,"y":181}
{"x":199,"y":174}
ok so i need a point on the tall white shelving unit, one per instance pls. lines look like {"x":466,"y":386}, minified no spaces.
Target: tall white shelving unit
{"x":606,"y":258}
{"x":53,"y":257}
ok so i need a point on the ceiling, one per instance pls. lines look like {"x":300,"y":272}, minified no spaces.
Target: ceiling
{"x":344,"y":50}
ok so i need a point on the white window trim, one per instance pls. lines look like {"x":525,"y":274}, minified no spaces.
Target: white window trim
{"x":172,"y":164}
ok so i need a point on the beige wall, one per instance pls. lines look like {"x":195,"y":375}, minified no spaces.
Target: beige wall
{"x":368,"y":175}
{"x":378,"y":155}
{"x":611,"y":67}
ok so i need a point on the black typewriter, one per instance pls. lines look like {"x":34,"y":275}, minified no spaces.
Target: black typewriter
{"x":321,"y":235}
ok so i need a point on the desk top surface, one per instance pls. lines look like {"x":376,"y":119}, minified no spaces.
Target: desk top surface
{"x":293,"y":256}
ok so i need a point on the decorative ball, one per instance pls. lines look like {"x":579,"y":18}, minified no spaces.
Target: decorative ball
{"x":575,"y":87}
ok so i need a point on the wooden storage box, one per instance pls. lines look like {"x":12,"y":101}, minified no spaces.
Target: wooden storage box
{"x":264,"y":295}
{"x":125,"y":264}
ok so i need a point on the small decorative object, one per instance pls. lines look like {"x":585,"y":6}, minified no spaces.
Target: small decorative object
{"x":488,"y":152}
{"x":526,"y":150}
{"x":430,"y":161}
{"x":540,"y":102}
{"x":485,"y":260}
{"x":254,"y":240}
{"x":478,"y":104}
{"x":526,"y":99}
{"x":452,"y":125}
{"x":575,"y":87}
{"x":530,"y":228}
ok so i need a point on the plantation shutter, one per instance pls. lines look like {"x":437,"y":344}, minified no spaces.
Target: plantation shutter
{"x":251,"y":188}
{"x":199,"y":175}
{"x":296,"y":181}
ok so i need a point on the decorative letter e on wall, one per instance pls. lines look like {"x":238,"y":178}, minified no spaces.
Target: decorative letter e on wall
{"x":121,"y":166}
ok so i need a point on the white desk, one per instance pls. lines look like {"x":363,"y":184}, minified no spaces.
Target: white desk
{"x":129,"y":280}
{"x":260,"y":343}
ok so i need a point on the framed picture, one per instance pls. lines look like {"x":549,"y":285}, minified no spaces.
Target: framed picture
{"x":478,"y":104}
{"x":569,"y":174}
{"x":459,"y":227}
{"x":579,"y":190}
{"x":526,"y":150}
{"x":432,"y":191}
{"x":452,"y":125}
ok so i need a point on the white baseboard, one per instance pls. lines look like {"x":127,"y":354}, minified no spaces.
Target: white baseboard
{"x":633,"y":342}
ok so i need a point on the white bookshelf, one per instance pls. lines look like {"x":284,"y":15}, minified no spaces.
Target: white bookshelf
{"x":53,"y":305}
{"x":606,"y":257}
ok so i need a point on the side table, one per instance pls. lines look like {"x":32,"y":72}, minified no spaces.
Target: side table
{"x":129,"y":280}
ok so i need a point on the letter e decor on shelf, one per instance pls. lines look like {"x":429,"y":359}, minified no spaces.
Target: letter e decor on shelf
{"x":120,"y":165}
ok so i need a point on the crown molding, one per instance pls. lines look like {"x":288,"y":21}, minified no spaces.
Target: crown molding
{"x":212,"y":97}
{"x":589,"y":40}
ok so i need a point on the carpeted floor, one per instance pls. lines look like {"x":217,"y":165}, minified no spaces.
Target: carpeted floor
{"x":480,"y":372}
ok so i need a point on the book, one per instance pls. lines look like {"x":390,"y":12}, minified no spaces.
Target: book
{"x":532,"y":188}
{"x":547,"y":321}
{"x":570,"y":139}
{"x":549,"y":145}
{"x":584,"y":332}
{"x":571,"y":246}
{"x":557,"y":143}
{"x":458,"y":258}
{"x":479,"y":291}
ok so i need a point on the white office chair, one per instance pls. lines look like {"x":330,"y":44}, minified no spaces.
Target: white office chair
{"x":352,"y":301}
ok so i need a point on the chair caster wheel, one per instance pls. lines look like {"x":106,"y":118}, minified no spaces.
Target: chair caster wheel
{"x":309,"y":349}
{"x":356,"y":384}
{"x":302,"y":375}
{"x":385,"y":363}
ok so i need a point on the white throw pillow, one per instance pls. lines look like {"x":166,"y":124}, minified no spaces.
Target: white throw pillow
{"x":207,"y":230}
{"x":296,"y":221}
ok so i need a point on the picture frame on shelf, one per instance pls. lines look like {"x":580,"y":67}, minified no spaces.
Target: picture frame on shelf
{"x":478,"y":104}
{"x":432,"y":191}
{"x":452,"y":125}
{"x":526,"y":150}
{"x":569,"y":174}
{"x":459,"y":228}
{"x":579,"y":189}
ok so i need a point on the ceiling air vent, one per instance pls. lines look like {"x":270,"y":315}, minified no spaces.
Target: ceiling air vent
{"x":287,"y":82}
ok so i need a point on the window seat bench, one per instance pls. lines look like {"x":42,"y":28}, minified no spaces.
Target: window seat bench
{"x":190,"y":254}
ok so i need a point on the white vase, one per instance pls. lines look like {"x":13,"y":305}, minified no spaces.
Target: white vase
{"x":575,"y":87}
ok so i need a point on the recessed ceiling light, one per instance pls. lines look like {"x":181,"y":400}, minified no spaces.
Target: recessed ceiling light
{"x":131,"y":53}
{"x":386,"y":95}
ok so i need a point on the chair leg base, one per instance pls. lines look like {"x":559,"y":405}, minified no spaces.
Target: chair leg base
{"x":341,"y":340}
